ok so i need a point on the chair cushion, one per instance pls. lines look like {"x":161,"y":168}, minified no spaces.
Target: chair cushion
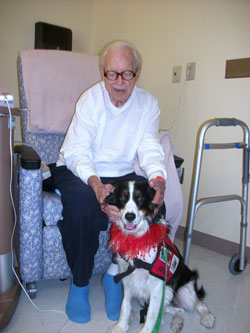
{"x":103,"y":256}
{"x":52,"y":208}
{"x":54,"y":259}
{"x":55,"y":264}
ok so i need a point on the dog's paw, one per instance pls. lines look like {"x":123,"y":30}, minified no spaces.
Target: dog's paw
{"x":116,"y":329}
{"x":144,"y":330}
{"x":207,"y":320}
{"x":177,"y":322}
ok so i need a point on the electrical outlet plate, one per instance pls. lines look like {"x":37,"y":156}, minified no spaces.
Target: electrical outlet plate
{"x":176,"y":76}
{"x":9,"y":98}
{"x":190,"y":71}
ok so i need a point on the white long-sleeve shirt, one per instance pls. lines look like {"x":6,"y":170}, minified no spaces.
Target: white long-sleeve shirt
{"x":103,"y":140}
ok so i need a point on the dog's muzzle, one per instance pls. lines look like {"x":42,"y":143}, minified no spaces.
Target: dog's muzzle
{"x":130,"y":217}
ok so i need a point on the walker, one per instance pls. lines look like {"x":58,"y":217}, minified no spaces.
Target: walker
{"x":238,"y":262}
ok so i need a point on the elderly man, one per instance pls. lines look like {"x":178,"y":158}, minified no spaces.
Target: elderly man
{"x":114,"y":122}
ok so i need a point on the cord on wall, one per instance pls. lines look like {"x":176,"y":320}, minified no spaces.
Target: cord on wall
{"x":174,"y":122}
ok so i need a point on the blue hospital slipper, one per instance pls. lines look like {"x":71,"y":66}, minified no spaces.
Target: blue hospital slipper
{"x":77,"y":307}
{"x":113,"y":296}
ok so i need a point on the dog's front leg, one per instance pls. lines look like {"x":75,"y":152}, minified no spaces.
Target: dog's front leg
{"x":154,"y":307}
{"x":122,"y":325}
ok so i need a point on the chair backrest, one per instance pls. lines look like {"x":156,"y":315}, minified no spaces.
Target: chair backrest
{"x":47,"y":143}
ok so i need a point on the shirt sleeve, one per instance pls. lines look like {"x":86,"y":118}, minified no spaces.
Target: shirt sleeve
{"x":77,"y":146}
{"x":150,"y":151}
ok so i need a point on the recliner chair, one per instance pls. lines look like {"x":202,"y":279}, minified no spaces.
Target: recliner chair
{"x":41,"y":254}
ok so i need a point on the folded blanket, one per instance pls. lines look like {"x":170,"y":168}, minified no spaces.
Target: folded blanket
{"x":53,"y":81}
{"x":173,"y":197}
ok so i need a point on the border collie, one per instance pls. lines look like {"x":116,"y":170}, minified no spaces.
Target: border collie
{"x":143,"y":248}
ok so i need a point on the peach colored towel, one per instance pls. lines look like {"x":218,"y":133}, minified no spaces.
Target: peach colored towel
{"x":53,"y":81}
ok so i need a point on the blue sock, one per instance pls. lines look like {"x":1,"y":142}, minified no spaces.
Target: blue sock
{"x":77,"y":307}
{"x":113,"y":296}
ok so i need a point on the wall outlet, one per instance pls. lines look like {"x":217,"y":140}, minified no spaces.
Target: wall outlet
{"x":9,"y":98}
{"x":190,"y":71}
{"x":176,"y":76}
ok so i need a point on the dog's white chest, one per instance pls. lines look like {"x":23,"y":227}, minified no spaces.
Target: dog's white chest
{"x":149,"y":257}
{"x":140,"y":282}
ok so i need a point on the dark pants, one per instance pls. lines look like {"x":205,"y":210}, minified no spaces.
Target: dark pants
{"x":82,"y":221}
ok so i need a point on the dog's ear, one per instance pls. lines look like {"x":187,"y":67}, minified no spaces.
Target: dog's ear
{"x":111,"y":198}
{"x":151,"y":207}
{"x":151,"y":193}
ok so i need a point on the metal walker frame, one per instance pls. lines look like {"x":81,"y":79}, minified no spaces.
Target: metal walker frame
{"x":238,"y":262}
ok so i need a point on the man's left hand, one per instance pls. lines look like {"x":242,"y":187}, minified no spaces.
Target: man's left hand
{"x":159,"y":186}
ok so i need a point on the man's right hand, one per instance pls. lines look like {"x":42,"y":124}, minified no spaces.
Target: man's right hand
{"x":102,"y":191}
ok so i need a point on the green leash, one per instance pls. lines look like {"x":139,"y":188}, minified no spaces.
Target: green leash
{"x":158,"y":322}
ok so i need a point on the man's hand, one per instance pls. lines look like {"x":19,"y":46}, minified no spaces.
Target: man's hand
{"x":112,"y":212}
{"x":102,"y":191}
{"x":159,"y":186}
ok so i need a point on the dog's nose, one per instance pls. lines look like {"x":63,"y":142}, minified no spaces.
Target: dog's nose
{"x":130,"y":216}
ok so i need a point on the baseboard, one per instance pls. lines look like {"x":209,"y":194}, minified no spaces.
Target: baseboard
{"x":213,"y":243}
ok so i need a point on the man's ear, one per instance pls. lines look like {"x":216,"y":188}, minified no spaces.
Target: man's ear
{"x":102,"y":72}
{"x":138,"y":74}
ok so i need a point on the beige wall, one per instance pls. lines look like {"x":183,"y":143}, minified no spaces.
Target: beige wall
{"x":208,"y":32}
{"x":167,"y":33}
{"x":17,"y":30}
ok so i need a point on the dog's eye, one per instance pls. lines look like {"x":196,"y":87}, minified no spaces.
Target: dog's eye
{"x":138,"y":196}
{"x":123,"y":197}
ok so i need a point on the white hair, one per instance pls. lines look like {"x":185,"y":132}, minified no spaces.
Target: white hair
{"x":118,"y":45}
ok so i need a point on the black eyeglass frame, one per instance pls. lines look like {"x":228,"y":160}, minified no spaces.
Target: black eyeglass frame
{"x":120,"y":74}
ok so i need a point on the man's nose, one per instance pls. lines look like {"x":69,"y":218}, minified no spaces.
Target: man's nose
{"x":119,"y":79}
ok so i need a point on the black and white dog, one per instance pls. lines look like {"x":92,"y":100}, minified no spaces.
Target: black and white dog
{"x":143,"y":249}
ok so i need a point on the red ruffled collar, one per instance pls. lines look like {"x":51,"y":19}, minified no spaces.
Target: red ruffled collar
{"x":130,"y":246}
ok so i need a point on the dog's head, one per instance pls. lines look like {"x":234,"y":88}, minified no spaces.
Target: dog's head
{"x":134,"y":200}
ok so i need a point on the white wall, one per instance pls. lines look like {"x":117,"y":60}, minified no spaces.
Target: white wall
{"x":207,"y":32}
{"x":167,"y":33}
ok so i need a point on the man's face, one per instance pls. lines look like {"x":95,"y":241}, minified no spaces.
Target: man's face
{"x":120,"y":61}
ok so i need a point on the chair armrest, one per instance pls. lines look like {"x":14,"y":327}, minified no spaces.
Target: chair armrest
{"x":30,"y":223}
{"x":30,"y":160}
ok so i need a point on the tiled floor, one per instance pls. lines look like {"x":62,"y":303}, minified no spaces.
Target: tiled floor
{"x":228,"y":297}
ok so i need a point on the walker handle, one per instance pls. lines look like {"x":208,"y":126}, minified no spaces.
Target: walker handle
{"x":226,"y":122}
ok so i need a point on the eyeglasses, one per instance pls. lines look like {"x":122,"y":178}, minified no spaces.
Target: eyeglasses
{"x":126,"y":75}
